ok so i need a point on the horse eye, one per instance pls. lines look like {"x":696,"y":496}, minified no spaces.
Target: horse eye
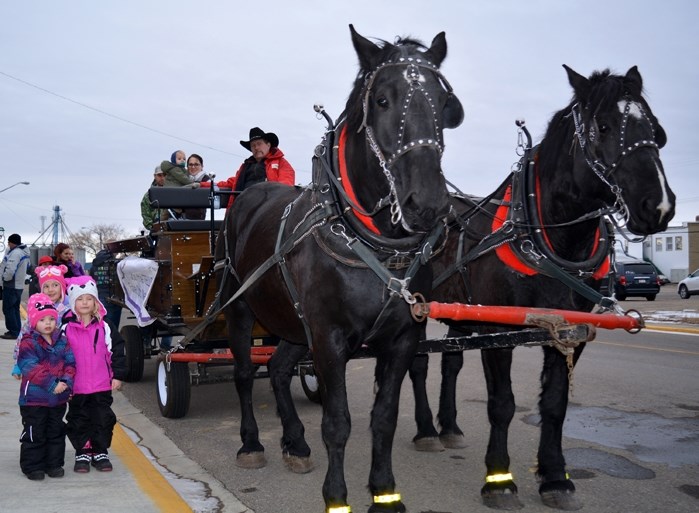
{"x":603,"y":128}
{"x":382,"y":102}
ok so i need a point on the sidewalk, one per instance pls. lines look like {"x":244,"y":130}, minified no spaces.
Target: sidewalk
{"x":151,"y":475}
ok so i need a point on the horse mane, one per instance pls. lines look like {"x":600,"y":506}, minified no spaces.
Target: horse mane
{"x":354,"y":113}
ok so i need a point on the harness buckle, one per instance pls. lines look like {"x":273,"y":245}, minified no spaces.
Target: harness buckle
{"x":399,"y":287}
{"x":528,"y":248}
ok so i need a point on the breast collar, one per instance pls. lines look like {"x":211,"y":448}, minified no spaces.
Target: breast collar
{"x":518,"y":253}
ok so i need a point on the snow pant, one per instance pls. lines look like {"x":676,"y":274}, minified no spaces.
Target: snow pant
{"x":91,"y":422}
{"x":11,"y":299}
{"x":43,"y":438}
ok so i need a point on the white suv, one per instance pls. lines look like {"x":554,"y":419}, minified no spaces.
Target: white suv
{"x":689,"y":286}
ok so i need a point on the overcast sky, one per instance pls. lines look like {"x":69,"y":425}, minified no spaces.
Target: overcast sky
{"x":164,"y":75}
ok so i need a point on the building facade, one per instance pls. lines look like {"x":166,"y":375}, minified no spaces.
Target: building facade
{"x":675,"y":251}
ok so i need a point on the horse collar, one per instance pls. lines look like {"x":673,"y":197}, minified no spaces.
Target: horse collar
{"x":366,"y":220}
{"x":521,"y":208}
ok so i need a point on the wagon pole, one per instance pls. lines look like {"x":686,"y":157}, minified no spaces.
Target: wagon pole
{"x":632,"y":321}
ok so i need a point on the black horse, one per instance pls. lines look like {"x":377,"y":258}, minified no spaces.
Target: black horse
{"x":519,"y":247}
{"x":334,"y":266}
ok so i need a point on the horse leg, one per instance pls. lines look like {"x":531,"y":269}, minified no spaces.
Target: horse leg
{"x":240,"y":320}
{"x":500,"y":490}
{"x":393,"y":366}
{"x":330,"y":368}
{"x":450,"y":434}
{"x":556,"y":488}
{"x":295,"y":451}
{"x":426,"y":438}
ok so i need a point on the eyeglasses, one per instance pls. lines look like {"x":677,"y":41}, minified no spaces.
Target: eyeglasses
{"x":194,"y":164}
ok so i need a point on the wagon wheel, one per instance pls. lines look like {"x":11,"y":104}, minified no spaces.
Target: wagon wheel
{"x":309,"y":383}
{"x":174,"y":389}
{"x":133,"y":345}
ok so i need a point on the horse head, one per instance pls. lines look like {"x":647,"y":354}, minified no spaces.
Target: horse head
{"x":620,"y":138}
{"x":395,"y":115}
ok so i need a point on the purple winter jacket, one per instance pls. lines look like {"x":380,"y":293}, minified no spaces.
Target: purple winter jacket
{"x":43,"y":366}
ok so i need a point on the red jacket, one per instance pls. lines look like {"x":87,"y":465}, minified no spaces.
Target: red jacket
{"x":277,"y":168}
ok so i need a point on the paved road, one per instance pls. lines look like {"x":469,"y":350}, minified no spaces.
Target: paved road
{"x":630,"y":439}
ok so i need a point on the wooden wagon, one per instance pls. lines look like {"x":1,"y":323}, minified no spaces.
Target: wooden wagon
{"x":175,"y":261}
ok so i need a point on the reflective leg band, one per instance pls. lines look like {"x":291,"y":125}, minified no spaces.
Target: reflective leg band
{"x":498,"y":478}
{"x":340,"y":509}
{"x":386,"y":498}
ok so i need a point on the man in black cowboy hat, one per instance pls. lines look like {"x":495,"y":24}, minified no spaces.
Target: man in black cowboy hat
{"x":267,"y":163}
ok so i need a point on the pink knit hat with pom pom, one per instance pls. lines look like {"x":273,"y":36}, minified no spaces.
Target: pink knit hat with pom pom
{"x":52,"y":272}
{"x":38,"y":307}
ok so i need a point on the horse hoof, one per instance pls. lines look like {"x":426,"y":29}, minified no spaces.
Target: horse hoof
{"x":561,"y":499}
{"x":251,"y":460}
{"x":428,"y":444}
{"x":503,"y":499}
{"x":297,"y":464}
{"x":453,"y":441}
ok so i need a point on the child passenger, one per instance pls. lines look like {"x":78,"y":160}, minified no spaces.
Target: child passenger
{"x":100,"y":367}
{"x":51,"y":279}
{"x":175,"y":171}
{"x":48,"y":368}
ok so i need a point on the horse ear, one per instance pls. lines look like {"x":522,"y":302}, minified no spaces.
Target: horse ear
{"x":438,"y":49}
{"x":580,"y":84}
{"x":633,"y":79}
{"x":366,"y":50}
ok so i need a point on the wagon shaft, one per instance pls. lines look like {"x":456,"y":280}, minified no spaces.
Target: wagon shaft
{"x":524,"y":316}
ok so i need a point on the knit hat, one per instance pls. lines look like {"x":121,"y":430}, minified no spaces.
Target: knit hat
{"x":52,"y":272}
{"x":15,"y":238}
{"x":84,"y":285}
{"x":38,"y":307}
{"x":46,"y":259}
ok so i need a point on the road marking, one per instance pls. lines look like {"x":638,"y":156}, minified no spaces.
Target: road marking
{"x":163,"y":495}
{"x":633,"y":346}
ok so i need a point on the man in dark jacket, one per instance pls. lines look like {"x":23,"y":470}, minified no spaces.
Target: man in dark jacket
{"x":103,"y":278}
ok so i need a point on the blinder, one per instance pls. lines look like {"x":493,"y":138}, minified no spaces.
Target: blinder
{"x":453,"y":112}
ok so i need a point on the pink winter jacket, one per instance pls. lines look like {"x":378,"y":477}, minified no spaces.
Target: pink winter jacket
{"x":92,"y":347}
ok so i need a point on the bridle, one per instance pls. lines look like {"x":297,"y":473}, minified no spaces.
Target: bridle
{"x":599,"y":166}
{"x":413,"y":67}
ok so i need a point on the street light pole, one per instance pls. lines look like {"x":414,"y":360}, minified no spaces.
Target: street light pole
{"x":14,"y":184}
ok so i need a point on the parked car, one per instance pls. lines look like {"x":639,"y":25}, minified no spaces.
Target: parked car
{"x":689,"y":286}
{"x":634,"y":279}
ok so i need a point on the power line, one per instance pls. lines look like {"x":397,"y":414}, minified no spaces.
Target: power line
{"x":114,"y":116}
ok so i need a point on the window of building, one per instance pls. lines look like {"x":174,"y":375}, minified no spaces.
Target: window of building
{"x":678,"y":242}
{"x":668,"y":243}
{"x":658,"y":244}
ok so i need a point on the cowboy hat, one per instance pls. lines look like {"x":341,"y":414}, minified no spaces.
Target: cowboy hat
{"x":258,"y":133}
